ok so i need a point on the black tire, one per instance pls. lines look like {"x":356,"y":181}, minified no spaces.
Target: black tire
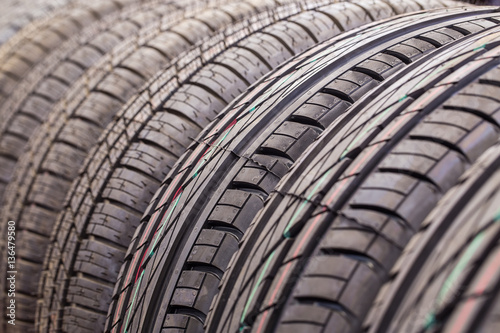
{"x":17,"y":13}
{"x":324,"y":244}
{"x":28,"y":107}
{"x":144,"y":153}
{"x":31,"y":45}
{"x":56,"y":151}
{"x":447,"y":279}
{"x":28,"y":48}
{"x":207,"y":222}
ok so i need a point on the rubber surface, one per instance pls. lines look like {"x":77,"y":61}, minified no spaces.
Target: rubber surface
{"x":55,"y":153}
{"x":70,"y":136}
{"x":28,"y":48}
{"x":45,"y":84}
{"x":37,"y":40}
{"x":317,"y":254}
{"x":18,"y":13}
{"x":213,"y":206}
{"x":144,"y":145}
{"x":448,"y":278}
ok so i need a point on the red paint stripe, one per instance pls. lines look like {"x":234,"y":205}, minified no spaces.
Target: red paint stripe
{"x":459,"y":323}
{"x":150,"y":224}
{"x":358,"y":165}
{"x":424,"y":102}
{"x":120,"y":303}
{"x":142,"y":260}
{"x":282,"y":277}
{"x":195,"y":153}
{"x":169,"y":190}
{"x":210,"y":145}
{"x":479,"y":289}
{"x":231,"y":125}
{"x":264,"y":316}
{"x":488,"y":275}
{"x":136,"y":256}
{"x":177,"y":193}
{"x":311,"y":227}
{"x":163,"y":200}
{"x":273,"y":296}
{"x":127,"y":279}
{"x":206,"y":151}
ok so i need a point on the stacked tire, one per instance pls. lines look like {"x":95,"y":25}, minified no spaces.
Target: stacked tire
{"x":251,"y":166}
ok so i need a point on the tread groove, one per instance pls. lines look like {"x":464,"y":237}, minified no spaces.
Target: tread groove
{"x":389,"y":213}
{"x":441,"y":142}
{"x":412,"y":174}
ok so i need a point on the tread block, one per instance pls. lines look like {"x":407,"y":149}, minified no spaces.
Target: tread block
{"x":94,"y":254}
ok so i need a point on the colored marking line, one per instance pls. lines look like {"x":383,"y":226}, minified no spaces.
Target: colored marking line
{"x":165,"y":223}
{"x":132,"y":304}
{"x":118,"y":311}
{"x":479,"y":289}
{"x":304,"y":203}
{"x":252,"y":295}
{"x":450,"y":281}
{"x":282,"y":277}
{"x":206,"y":157}
{"x":430,"y":320}
{"x":316,"y":220}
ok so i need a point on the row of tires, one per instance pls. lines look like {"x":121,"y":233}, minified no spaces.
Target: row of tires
{"x":250,"y":166}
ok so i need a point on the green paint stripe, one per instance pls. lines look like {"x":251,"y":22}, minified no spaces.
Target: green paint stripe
{"x":211,"y":152}
{"x":430,"y":319}
{"x":375,"y":124}
{"x":252,"y":295}
{"x":133,"y":300}
{"x":304,"y":203}
{"x":459,"y":268}
{"x":480,"y":47}
{"x":164,"y":224}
